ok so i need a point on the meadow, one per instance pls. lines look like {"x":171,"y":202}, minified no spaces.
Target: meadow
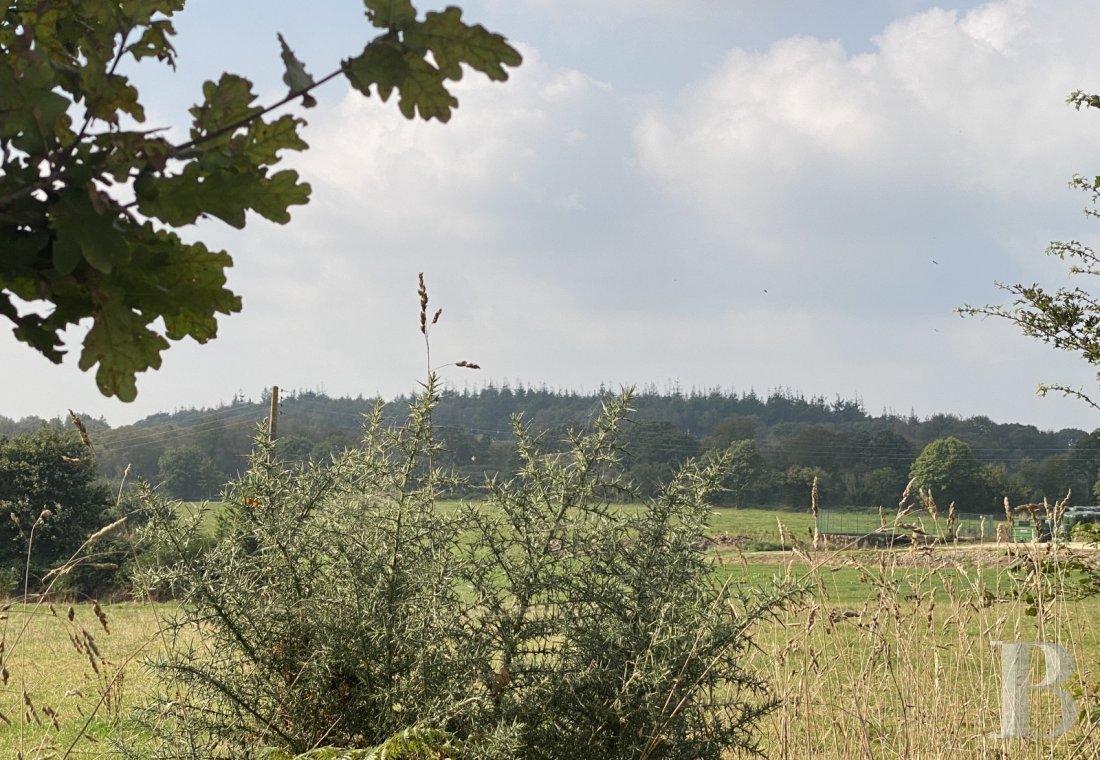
{"x":890,"y":653}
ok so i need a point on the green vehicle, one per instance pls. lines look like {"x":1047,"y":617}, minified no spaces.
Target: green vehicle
{"x":1023,"y":531}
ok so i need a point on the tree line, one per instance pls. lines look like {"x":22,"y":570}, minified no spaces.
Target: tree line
{"x":779,"y":444}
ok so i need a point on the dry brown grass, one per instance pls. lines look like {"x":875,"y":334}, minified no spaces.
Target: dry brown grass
{"x":911,"y":671}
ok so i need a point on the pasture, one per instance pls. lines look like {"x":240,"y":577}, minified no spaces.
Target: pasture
{"x":890,"y":653}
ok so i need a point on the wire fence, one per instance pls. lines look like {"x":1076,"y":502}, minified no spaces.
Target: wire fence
{"x":963,"y":527}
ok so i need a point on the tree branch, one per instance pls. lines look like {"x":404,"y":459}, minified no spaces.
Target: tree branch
{"x":43,"y":182}
{"x":230,"y":128}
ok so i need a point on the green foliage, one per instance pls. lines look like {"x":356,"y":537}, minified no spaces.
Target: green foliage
{"x":865,"y":462}
{"x":796,"y":485}
{"x":410,"y":744}
{"x":947,"y":468}
{"x":74,"y":247}
{"x":655,"y":449}
{"x":1086,"y":532}
{"x":398,"y":59}
{"x":186,"y":472}
{"x":731,"y":429}
{"x":49,"y":487}
{"x":341,"y":607}
{"x":1041,"y":578}
{"x":747,"y":473}
{"x":879,"y":486}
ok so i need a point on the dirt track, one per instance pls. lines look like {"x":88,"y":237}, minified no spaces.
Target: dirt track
{"x":935,"y":555}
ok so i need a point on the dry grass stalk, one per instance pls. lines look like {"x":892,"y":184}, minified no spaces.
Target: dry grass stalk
{"x":422,"y":292}
{"x":911,"y":671}
{"x":815,"y":510}
{"x":80,"y":429}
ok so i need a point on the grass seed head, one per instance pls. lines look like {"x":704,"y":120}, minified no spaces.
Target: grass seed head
{"x":79,"y":425}
{"x":422,"y":291}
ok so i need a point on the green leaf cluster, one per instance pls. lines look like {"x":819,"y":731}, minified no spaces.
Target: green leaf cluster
{"x":948,"y":469}
{"x":89,"y":199}
{"x":409,"y":744}
{"x":418,"y":57}
{"x":50,"y":490}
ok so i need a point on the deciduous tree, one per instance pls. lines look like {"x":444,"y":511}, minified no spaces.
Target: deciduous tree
{"x":947,"y":467}
{"x":186,"y":472}
{"x":747,"y":473}
{"x":48,"y":485}
{"x":90,"y":198}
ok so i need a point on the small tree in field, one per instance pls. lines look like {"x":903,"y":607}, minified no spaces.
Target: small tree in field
{"x":747,"y":476}
{"x":187,"y":472}
{"x":947,"y":467}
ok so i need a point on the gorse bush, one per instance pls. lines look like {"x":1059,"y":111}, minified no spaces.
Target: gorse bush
{"x":342,"y":606}
{"x":609,"y":625}
{"x":324,"y":605}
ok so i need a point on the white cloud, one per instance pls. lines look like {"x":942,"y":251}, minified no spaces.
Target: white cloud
{"x":410,"y":175}
{"x":1000,"y":26}
{"x":804,"y":145}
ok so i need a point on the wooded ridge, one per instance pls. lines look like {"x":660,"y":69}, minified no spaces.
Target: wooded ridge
{"x":782,"y":441}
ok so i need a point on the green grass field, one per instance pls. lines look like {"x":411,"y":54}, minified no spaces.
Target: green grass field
{"x":903,"y":642}
{"x":890,"y":653}
{"x":58,"y":695}
{"x":758,"y":523}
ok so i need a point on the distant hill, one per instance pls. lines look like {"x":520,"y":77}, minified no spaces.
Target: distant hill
{"x":858,"y":457}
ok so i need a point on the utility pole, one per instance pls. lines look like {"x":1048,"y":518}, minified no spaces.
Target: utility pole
{"x":273,"y":415}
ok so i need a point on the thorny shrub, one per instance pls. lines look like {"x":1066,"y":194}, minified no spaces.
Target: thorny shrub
{"x":342,"y":606}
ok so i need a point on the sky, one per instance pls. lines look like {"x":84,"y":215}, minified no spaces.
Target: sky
{"x":687,"y":194}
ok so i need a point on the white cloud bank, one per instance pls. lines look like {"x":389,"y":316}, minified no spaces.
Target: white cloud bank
{"x":798,"y":216}
{"x":803,"y":141}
